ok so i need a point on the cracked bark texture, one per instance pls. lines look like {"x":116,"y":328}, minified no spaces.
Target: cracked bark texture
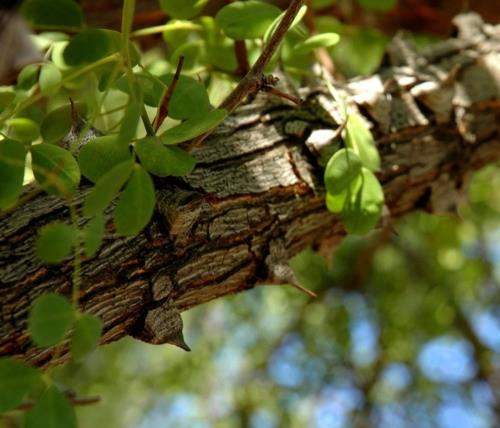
{"x":257,"y":190}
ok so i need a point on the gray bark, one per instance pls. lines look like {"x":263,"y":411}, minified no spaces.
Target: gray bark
{"x":256,"y":196}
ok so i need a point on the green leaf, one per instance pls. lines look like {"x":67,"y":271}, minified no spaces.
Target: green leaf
{"x":193,"y":127}
{"x":86,"y":335}
{"x":52,"y":410}
{"x":88,"y":46}
{"x":322,"y":40}
{"x":343,"y":167}
{"x":6,"y":98}
{"x":107,"y":188}
{"x":246,"y":20}
{"x":23,"y":129}
{"x":362,"y":211}
{"x":360,"y":139}
{"x":293,"y":27}
{"x":162,"y":161}
{"x":336,"y":202}
{"x":50,"y":79}
{"x":12,"y":160}
{"x":55,"y":242}
{"x":136,"y":204}
{"x":49,"y":319}
{"x":55,"y":169}
{"x":189,"y":99}
{"x":28,"y":76}
{"x":100,"y":155}
{"x":16,"y":379}
{"x":152,"y":87}
{"x":378,"y":5}
{"x":310,"y":269}
{"x":64,"y":13}
{"x":129,"y":123}
{"x":93,"y":235}
{"x":182,"y":9}
{"x":56,"y":124}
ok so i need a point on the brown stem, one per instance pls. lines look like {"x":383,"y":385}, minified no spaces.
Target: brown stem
{"x":246,"y":85}
{"x":163,"y":108}
{"x":240,"y":50}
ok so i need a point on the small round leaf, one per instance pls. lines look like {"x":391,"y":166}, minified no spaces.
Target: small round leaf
{"x":88,"y":46}
{"x":16,"y":379}
{"x":52,"y":410}
{"x":55,"y":242}
{"x":49,"y":319}
{"x":86,"y":335}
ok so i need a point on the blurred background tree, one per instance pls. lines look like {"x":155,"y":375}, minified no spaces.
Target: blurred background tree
{"x":405,"y":331}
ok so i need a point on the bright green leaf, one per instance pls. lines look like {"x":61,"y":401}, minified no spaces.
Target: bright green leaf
{"x":161,"y":160}
{"x":100,"y":155}
{"x":88,"y":46}
{"x":93,"y":235}
{"x":293,"y":27}
{"x":182,"y":9}
{"x":322,"y":40}
{"x":310,"y":269}
{"x":136,"y":204}
{"x":28,"y":76}
{"x":335,"y":202}
{"x":23,"y":129}
{"x":52,"y":410}
{"x":55,"y":169}
{"x":16,"y":379}
{"x":107,"y":188}
{"x":55,"y":242}
{"x":63,"y":13}
{"x":56,"y":124}
{"x":362,"y":211}
{"x":360,"y":139}
{"x":12,"y":159}
{"x":49,"y":319}
{"x":193,"y":127}
{"x":246,"y":20}
{"x":343,"y":167}
{"x":86,"y":335}
{"x":50,"y":79}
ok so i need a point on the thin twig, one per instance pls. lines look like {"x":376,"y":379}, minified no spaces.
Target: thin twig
{"x":252,"y":79}
{"x":246,"y":85}
{"x":163,"y":108}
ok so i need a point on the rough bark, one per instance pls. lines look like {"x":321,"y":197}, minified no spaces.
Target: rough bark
{"x":256,"y":196}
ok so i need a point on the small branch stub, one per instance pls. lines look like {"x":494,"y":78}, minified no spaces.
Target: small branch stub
{"x":164,"y":325}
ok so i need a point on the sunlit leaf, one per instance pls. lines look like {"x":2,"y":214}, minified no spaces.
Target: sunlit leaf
{"x":360,"y":140}
{"x":49,"y":318}
{"x":362,"y":211}
{"x":86,"y":335}
{"x":52,"y":410}
{"x":23,"y":129}
{"x":136,"y":204}
{"x":343,"y":167}
{"x":16,"y":379}
{"x":322,"y":40}
{"x":50,"y":79}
